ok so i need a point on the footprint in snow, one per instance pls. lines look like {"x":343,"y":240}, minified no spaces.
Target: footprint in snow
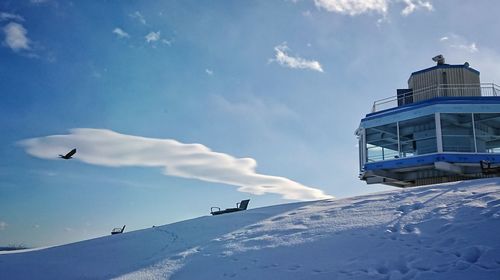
{"x":444,"y":228}
{"x":471,"y":254}
{"x":407,"y":208}
{"x":493,"y":203}
{"x":294,"y":267}
{"x":316,"y":217}
{"x":278,"y":218}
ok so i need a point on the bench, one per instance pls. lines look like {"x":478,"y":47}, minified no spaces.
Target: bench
{"x":118,"y":230}
{"x":240,"y":206}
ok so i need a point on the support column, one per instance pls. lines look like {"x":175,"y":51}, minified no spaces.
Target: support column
{"x":474,"y":132}
{"x":399,"y":140}
{"x":439,"y":138}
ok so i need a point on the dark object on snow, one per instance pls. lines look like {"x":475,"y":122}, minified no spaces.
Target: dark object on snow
{"x":68,"y":155}
{"x":118,"y":230}
{"x":239,"y":207}
{"x":486,"y":168}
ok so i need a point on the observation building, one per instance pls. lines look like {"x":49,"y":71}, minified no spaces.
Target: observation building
{"x":444,"y":127}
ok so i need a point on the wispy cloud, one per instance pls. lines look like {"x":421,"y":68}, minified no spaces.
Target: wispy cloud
{"x":283,"y":58}
{"x":459,"y":42}
{"x":16,"y":37}
{"x":457,"y":48}
{"x":472,"y":48}
{"x":358,"y":7}
{"x":152,"y":36}
{"x":353,"y":7}
{"x":120,"y":33}
{"x":167,"y":42}
{"x":209,"y":72}
{"x":195,"y":161}
{"x":3,"y":225}
{"x":138,"y":16}
{"x":413,"y":5}
{"x":7,"y":16}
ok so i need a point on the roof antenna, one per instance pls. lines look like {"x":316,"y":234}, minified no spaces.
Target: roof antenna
{"x":439,"y":59}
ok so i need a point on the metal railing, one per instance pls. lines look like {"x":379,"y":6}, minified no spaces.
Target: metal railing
{"x":447,"y":90}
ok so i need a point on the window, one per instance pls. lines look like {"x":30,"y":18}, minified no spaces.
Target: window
{"x":418,"y":136}
{"x":382,"y":142}
{"x":487,"y":127}
{"x":457,"y":133}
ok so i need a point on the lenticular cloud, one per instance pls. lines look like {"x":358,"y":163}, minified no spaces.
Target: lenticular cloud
{"x":195,"y":161}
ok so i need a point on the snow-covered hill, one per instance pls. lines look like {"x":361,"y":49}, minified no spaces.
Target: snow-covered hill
{"x":449,"y":231}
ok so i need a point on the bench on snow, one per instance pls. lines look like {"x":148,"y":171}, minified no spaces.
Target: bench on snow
{"x":240,"y":206}
{"x":118,"y":230}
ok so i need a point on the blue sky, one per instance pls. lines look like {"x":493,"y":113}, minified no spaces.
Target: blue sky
{"x":177,"y":106}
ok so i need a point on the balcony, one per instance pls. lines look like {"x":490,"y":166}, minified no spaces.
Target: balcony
{"x":447,"y":90}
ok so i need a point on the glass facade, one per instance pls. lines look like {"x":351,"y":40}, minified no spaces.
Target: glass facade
{"x":487,"y":128}
{"x":457,"y":131}
{"x":382,"y":142}
{"x":401,"y":139}
{"x":460,"y":132}
{"x":418,"y":136}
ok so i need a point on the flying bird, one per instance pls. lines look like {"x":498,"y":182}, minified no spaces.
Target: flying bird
{"x":68,"y":155}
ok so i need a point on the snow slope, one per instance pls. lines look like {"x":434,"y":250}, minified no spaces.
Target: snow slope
{"x":448,"y":231}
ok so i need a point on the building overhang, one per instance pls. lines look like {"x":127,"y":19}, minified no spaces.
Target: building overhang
{"x":406,"y":171}
{"x":479,"y":104}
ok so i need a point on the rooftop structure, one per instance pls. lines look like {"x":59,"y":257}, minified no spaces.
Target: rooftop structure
{"x":439,"y":129}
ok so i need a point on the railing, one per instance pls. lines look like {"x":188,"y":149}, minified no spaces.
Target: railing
{"x":484,"y":89}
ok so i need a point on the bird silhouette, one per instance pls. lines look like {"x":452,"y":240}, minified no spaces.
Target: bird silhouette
{"x":68,"y":155}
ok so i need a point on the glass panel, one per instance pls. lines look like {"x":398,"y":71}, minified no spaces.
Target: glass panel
{"x":487,"y":132}
{"x":360,"y":146}
{"x":418,"y":136}
{"x":382,"y":142}
{"x":457,"y":133}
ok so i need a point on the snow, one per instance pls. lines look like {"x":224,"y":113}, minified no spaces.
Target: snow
{"x":447,"y":231}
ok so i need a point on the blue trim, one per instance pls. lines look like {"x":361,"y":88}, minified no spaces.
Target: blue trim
{"x":430,"y":159}
{"x":440,"y":100}
{"x":441,"y":66}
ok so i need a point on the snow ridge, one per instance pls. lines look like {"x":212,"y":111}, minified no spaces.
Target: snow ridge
{"x":447,"y":231}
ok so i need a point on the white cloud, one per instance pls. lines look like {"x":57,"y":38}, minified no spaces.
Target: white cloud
{"x":3,"y":225}
{"x":458,"y":49}
{"x":472,"y":48}
{"x":413,"y":5}
{"x":284,"y":59}
{"x":358,"y":7}
{"x":166,"y":42}
{"x":15,"y":37}
{"x":460,"y":43}
{"x":353,"y":7}
{"x":209,"y":72}
{"x":138,"y":16}
{"x":121,"y":33}
{"x":195,"y":161}
{"x":7,"y":16}
{"x":152,"y":36}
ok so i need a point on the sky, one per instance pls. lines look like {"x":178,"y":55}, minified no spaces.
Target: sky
{"x":177,"y":106}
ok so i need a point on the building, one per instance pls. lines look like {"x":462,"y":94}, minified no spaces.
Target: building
{"x":444,"y":127}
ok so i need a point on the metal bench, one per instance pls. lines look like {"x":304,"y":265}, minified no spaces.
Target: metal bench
{"x":118,"y":230}
{"x":240,"y":206}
